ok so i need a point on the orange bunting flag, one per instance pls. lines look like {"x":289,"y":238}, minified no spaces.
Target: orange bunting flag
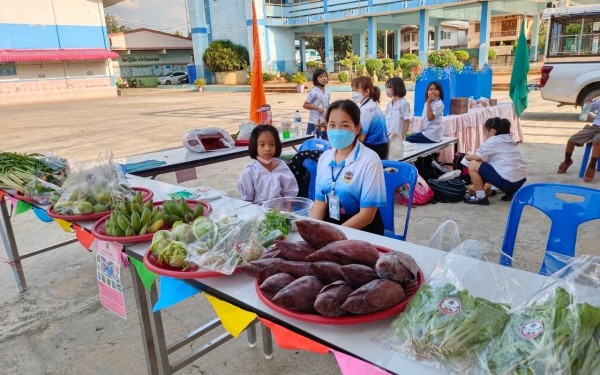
{"x":86,"y":239}
{"x":257,"y":90}
{"x":287,"y":339}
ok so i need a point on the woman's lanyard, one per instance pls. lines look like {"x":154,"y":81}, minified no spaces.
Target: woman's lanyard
{"x":334,"y":179}
{"x":333,"y":199}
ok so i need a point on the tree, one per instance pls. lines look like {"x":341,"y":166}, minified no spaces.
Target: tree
{"x":113,"y":25}
{"x":341,"y":45}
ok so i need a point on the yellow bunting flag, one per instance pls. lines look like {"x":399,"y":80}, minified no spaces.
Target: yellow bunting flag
{"x":234,"y":319}
{"x":65,"y":225}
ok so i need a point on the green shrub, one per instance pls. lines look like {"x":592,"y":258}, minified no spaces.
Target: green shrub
{"x":350,"y":61}
{"x":410,"y":56}
{"x":409,"y":66}
{"x":299,"y":78}
{"x":388,"y":67}
{"x":492,"y":54}
{"x":359,"y":68}
{"x":374,"y":66}
{"x":200,"y":82}
{"x":311,"y":64}
{"x":462,"y":55}
{"x":225,"y":56}
{"x":443,"y":58}
{"x":287,"y":77}
{"x":268,"y":76}
{"x":344,"y":77}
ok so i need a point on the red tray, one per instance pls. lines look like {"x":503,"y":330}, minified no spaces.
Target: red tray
{"x":151,"y":263}
{"x":99,"y":228}
{"x":242,"y":142}
{"x":21,"y":197}
{"x":409,"y":291}
{"x":147,"y":194}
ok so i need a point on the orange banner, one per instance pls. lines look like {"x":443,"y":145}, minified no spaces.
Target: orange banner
{"x":287,"y":339}
{"x":257,"y":90}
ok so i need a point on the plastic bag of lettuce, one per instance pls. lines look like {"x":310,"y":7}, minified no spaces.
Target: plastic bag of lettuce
{"x":463,"y":304}
{"x":556,"y":331}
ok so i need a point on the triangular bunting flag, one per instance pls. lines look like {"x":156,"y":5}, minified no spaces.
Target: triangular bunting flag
{"x":21,"y":207}
{"x":287,"y":339}
{"x":145,"y":275}
{"x":124,"y":259}
{"x":41,"y":214}
{"x":1,"y":194}
{"x":13,"y":201}
{"x":86,"y":239}
{"x":234,"y":319}
{"x":354,"y":366}
{"x":65,"y":225}
{"x":173,"y":291}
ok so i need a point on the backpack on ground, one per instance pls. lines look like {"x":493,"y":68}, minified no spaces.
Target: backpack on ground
{"x":458,"y":166}
{"x":448,"y":191}
{"x":426,"y":168}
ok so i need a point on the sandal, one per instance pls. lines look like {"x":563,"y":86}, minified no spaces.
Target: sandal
{"x":589,"y":174}
{"x":562,"y":168}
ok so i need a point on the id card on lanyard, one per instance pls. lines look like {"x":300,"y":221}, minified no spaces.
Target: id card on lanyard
{"x":333,"y":198}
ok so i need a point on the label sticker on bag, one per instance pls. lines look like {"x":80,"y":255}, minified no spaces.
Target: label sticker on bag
{"x":531,"y":329}
{"x":450,"y":305}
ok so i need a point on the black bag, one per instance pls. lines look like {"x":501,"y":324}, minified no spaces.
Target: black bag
{"x":448,"y":191}
{"x":426,"y":169}
{"x":457,"y":165}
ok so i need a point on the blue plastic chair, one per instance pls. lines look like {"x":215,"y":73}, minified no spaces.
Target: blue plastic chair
{"x":584,"y":161}
{"x":311,"y":165}
{"x":565,"y":218}
{"x":315,"y":144}
{"x":398,"y":174}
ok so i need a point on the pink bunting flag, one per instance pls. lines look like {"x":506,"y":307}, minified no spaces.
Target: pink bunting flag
{"x":354,"y":366}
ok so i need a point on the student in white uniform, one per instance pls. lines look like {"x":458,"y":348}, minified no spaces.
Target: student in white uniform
{"x":498,"y":161}
{"x":266,"y":177}
{"x":433,"y":128}
{"x":397,"y":112}
{"x":317,"y":101}
{"x":350,"y":186}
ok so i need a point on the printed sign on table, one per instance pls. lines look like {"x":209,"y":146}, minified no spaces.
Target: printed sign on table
{"x":108,"y":271}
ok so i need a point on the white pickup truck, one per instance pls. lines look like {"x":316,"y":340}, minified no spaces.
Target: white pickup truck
{"x":571,"y":70}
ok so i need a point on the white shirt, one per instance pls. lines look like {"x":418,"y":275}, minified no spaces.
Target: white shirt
{"x":396,"y":114}
{"x":595,"y":109}
{"x":257,"y":184}
{"x":320,"y":98}
{"x":434,"y":129}
{"x":503,"y":153}
{"x":359,"y":179}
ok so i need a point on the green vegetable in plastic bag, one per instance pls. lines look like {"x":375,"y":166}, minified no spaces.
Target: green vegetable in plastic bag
{"x":174,"y":255}
{"x":160,"y":241}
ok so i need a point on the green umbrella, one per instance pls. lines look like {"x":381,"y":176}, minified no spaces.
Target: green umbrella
{"x":518,"y":78}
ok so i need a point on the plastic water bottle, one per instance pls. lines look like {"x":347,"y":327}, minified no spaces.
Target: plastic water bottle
{"x":298,"y":123}
{"x":585,"y":111}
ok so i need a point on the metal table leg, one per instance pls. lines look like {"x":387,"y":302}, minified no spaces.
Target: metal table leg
{"x":158,"y":334}
{"x":12,"y":252}
{"x":267,"y":341}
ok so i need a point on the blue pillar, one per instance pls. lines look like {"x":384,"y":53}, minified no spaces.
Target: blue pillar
{"x":484,"y":33}
{"x":423,"y":36}
{"x":535,"y":27}
{"x":200,"y":30}
{"x":302,"y":55}
{"x":372,"y":38}
{"x":358,"y":45}
{"x":437,"y":37}
{"x":328,"y":47}
{"x":397,"y":43}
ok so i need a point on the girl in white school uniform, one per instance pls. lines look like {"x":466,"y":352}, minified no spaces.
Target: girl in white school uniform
{"x":498,"y":161}
{"x":266,"y":177}
{"x":397,"y":112}
{"x":317,"y":101}
{"x":433,"y":128}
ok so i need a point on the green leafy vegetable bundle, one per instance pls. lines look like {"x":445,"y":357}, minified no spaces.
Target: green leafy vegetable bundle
{"x":27,"y":173}
{"x":446,"y":324}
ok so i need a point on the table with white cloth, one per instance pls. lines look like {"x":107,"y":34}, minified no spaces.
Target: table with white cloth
{"x":468,"y":128}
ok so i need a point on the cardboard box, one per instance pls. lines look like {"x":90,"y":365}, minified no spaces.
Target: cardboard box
{"x":459,"y":106}
{"x":493,"y":102}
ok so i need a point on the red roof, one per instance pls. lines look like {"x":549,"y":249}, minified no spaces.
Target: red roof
{"x":65,"y":54}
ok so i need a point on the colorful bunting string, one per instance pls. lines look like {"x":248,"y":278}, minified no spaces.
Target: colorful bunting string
{"x":234,"y":319}
{"x":173,"y":291}
{"x":144,"y":274}
{"x":64,"y":225}
{"x":21,"y":207}
{"x":287,"y":339}
{"x":41,"y":214}
{"x":124,"y":259}
{"x":86,"y":239}
{"x":1,"y":194}
{"x":354,"y":366}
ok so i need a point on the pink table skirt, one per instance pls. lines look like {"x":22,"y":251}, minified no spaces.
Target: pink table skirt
{"x":468,"y":128}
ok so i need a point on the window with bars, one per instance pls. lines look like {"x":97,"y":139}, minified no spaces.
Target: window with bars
{"x":574,"y":35}
{"x":446,"y":34}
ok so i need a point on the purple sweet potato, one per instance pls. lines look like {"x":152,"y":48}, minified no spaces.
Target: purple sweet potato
{"x":327,"y":272}
{"x":347,"y":252}
{"x":300,"y":294}
{"x":357,"y":275}
{"x":275,"y":253}
{"x":296,"y":269}
{"x":318,"y":233}
{"x":272,"y":285}
{"x":261,"y":269}
{"x":377,"y":295}
{"x":397,"y":266}
{"x":331,"y":298}
{"x":296,"y":251}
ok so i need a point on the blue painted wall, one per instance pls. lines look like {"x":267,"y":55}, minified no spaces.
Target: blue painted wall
{"x":21,"y":36}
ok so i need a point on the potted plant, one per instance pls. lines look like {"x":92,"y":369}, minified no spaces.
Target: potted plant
{"x":228,"y":61}
{"x":299,"y":79}
{"x":200,"y":83}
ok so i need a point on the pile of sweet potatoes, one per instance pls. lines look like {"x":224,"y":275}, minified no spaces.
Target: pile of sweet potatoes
{"x":331,"y":275}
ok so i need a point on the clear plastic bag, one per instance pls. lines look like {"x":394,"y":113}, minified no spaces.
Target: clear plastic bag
{"x":557,"y":330}
{"x":245,"y":130}
{"x":207,"y":139}
{"x":445,"y":237}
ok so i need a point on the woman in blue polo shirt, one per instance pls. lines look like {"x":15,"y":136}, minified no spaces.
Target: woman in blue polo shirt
{"x":350,"y":185}
{"x":372,"y":120}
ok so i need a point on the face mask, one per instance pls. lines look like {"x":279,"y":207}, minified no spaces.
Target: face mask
{"x":357,"y":97}
{"x":265,"y":161}
{"x":340,"y":139}
{"x":389,"y":93}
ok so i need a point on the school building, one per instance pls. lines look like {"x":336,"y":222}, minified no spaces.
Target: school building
{"x":283,"y":22}
{"x":54,"y":50}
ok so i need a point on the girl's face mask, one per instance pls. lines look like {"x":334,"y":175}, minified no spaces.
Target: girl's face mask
{"x":265,"y":161}
{"x":357,"y":97}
